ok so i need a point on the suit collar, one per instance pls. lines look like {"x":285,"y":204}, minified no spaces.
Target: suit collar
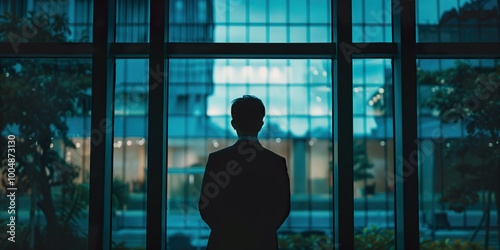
{"x":248,"y":138}
{"x":249,"y":141}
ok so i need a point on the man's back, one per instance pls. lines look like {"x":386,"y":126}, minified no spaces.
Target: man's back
{"x":245,"y":196}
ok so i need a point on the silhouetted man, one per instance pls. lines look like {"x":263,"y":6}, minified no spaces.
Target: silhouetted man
{"x":245,"y":195}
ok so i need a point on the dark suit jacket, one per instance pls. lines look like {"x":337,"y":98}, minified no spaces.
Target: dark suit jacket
{"x":245,"y":197}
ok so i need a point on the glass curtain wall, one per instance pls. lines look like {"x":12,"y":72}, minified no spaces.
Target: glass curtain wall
{"x":259,"y":21}
{"x":458,"y":137}
{"x":458,"y":124}
{"x":373,"y":143}
{"x":45,"y":130}
{"x":297,"y":128}
{"x":130,"y":153}
{"x":45,"y":103}
{"x":458,"y":21}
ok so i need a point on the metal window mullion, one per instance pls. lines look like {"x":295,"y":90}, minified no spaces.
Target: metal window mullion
{"x":405,"y":128}
{"x":458,"y":50}
{"x":252,"y":50}
{"x":157,"y":134}
{"x":276,"y":50}
{"x":343,"y":133}
{"x":166,"y":60}
{"x":365,"y":136}
{"x":102,"y":124}
{"x":331,"y":143}
{"x":308,"y":148}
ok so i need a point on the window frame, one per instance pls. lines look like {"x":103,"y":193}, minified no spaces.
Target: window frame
{"x":404,"y":51}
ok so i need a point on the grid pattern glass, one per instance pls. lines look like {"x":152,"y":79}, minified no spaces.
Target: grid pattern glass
{"x":201,"y":91}
{"x":132,"y":21}
{"x":250,"y":21}
{"x":199,"y":123}
{"x":372,"y":20}
{"x":373,"y":143}
{"x":457,"y":162}
{"x":458,"y":21}
{"x":47,"y":21}
{"x":45,"y":106}
{"x":130,"y":153}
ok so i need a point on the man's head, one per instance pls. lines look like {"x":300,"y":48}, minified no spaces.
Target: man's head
{"x":247,"y":113}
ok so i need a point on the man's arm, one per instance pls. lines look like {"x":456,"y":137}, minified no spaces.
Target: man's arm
{"x":210,"y":201}
{"x":283,"y":195}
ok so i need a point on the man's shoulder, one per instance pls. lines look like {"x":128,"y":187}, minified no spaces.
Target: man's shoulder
{"x":220,"y":152}
{"x":224,"y":154}
{"x":234,"y":149}
{"x":273,"y":154}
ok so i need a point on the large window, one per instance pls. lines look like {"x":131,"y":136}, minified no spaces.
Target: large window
{"x":458,"y":138}
{"x":371,"y":20}
{"x":45,"y":128}
{"x":46,"y":21}
{"x":298,"y":129}
{"x":250,"y":21}
{"x":373,"y":147}
{"x":458,"y":21}
{"x":130,"y":133}
{"x":116,"y":105}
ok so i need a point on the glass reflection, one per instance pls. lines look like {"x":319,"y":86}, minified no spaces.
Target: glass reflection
{"x":45,"y":152}
{"x":132,"y":21}
{"x":373,"y":151}
{"x":458,"y":21}
{"x":130,"y":154}
{"x":372,"y":20}
{"x":46,"y":21}
{"x":458,"y":142}
{"x":297,"y":97}
{"x":250,"y":21}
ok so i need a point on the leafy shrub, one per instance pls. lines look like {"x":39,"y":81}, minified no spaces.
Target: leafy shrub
{"x":375,"y":238}
{"x":372,"y":238}
{"x":448,"y":244}
{"x":299,"y":242}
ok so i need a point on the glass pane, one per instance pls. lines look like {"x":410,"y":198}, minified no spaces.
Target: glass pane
{"x":45,"y":21}
{"x":298,"y":103}
{"x":132,"y":21}
{"x":130,"y":153}
{"x":372,"y":20}
{"x":458,"y":149}
{"x":458,"y":21}
{"x":373,"y":150}
{"x":250,"y":21}
{"x":45,"y":152}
